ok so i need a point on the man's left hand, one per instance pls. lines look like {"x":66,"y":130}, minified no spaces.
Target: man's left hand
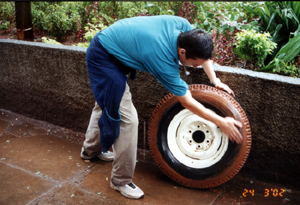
{"x":223,"y":86}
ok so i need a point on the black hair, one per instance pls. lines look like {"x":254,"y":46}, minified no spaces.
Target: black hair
{"x":197,"y":43}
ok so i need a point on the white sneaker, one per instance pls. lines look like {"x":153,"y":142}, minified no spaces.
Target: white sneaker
{"x":105,"y":156}
{"x":130,"y":190}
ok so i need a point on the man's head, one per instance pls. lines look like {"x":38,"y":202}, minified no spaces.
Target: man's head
{"x":195,"y":45}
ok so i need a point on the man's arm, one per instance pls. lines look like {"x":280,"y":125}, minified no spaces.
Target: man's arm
{"x":228,"y":125}
{"x":207,"y":66}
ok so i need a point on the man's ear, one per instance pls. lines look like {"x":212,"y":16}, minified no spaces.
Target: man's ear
{"x":181,"y":51}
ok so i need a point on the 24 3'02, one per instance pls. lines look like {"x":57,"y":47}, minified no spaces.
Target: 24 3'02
{"x":268,"y":192}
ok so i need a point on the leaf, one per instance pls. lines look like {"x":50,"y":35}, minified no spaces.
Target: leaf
{"x":232,"y":17}
{"x":291,"y":49}
{"x":249,"y":9}
{"x":237,"y":52}
{"x":294,"y":15}
{"x":271,"y":20}
{"x":253,"y":23}
{"x":275,"y":36}
{"x":285,"y":54}
{"x":226,"y":35}
{"x":296,"y":7}
{"x":297,"y":31}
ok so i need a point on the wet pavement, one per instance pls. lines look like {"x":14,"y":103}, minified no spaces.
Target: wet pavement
{"x":40,"y":164}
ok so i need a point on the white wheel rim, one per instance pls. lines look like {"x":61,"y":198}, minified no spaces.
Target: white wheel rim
{"x":194,"y":141}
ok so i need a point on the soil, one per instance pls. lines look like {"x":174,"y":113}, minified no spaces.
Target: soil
{"x":71,"y":40}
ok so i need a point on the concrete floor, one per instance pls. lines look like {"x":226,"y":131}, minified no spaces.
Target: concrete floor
{"x":40,"y":164}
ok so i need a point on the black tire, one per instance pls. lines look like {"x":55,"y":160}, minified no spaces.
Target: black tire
{"x":170,"y":120}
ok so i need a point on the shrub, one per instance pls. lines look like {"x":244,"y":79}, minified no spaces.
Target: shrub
{"x":187,"y":10}
{"x":223,"y":49}
{"x":50,"y":41}
{"x":160,"y":8}
{"x":222,"y":20}
{"x":291,"y":68}
{"x":7,"y":15}
{"x":285,"y":57}
{"x":130,"y":9}
{"x":224,"y":17}
{"x":254,"y":46}
{"x":279,"y":18}
{"x":55,"y":18}
{"x":91,"y":31}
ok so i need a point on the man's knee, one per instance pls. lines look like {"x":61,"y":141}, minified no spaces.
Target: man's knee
{"x":135,"y":121}
{"x":130,"y":120}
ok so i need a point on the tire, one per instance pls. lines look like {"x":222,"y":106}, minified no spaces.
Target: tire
{"x":192,"y":151}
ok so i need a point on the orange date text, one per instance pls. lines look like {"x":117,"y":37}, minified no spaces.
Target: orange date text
{"x":267,"y":192}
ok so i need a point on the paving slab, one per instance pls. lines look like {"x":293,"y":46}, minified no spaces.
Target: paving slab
{"x":5,"y":138}
{"x":6,"y":115}
{"x":158,"y":188}
{"x":3,"y":125}
{"x":44,"y":155}
{"x":241,"y":190}
{"x":19,"y":128}
{"x":38,"y":131}
{"x":19,"y":187}
{"x":72,"y":194}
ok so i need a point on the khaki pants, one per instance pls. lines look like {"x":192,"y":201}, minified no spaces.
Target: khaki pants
{"x":125,"y":147}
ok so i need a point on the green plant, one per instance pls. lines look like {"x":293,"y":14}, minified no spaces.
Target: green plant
{"x":223,"y":49}
{"x":286,"y":54}
{"x":91,"y":31}
{"x":290,"y":69}
{"x":159,"y":8}
{"x":130,"y":9}
{"x":187,"y":10}
{"x":7,"y":15}
{"x":280,"y":19}
{"x":252,"y":45}
{"x":50,"y":41}
{"x":224,"y":17}
{"x":56,"y":18}
{"x":89,"y":10}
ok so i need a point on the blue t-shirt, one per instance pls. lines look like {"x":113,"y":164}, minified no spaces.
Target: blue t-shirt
{"x":149,"y":44}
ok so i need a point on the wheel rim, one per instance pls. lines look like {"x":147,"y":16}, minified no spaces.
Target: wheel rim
{"x":194,"y":141}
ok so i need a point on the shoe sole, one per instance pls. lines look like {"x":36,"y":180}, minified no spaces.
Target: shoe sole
{"x":106,"y":159}
{"x":88,"y":158}
{"x":127,"y":196}
{"x":85,"y":157}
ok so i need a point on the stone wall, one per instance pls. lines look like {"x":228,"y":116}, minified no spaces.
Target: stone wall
{"x":50,"y":83}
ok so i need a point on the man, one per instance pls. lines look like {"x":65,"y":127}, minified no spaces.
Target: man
{"x":153,"y":44}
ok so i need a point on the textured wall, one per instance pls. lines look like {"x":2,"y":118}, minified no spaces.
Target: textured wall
{"x":45,"y":82}
{"x":50,"y":83}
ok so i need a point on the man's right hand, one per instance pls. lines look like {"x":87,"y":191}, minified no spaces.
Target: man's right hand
{"x":228,"y":124}
{"x":230,"y":127}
